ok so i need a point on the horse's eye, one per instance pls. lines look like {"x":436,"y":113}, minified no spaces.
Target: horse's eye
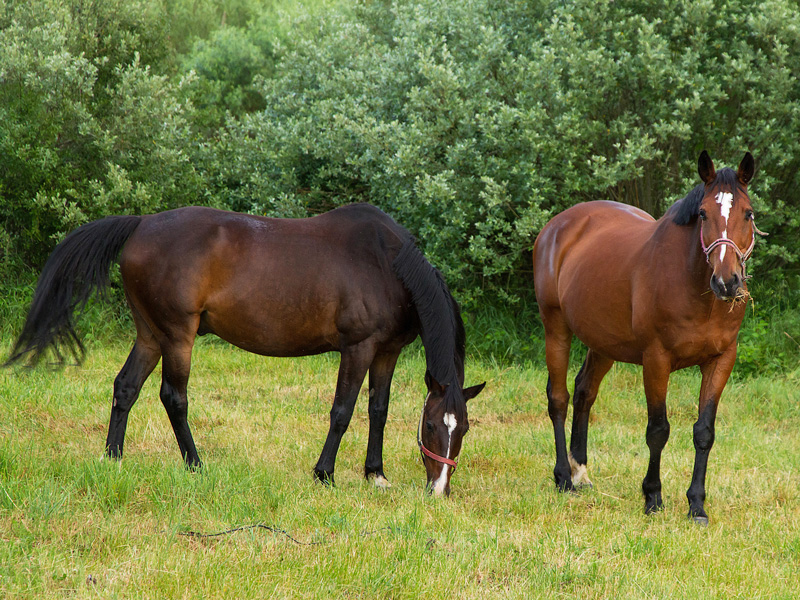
{"x":428,"y":425}
{"x":703,"y":214}
{"x":749,"y":215}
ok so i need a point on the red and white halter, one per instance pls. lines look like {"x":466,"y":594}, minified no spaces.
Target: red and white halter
{"x":442,"y":459}
{"x":743,"y":256}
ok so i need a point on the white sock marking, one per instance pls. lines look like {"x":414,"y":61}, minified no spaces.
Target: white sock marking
{"x":579,"y":476}
{"x":381,"y":482}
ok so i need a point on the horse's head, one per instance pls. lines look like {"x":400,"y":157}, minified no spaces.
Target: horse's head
{"x":727,"y":228}
{"x":442,"y":427}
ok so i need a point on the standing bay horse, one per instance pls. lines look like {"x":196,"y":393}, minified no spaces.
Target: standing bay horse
{"x":665,"y":294}
{"x":351,"y":281}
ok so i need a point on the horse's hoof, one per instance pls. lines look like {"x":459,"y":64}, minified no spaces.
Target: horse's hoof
{"x":702,"y":521}
{"x":651,"y":508}
{"x":113,"y":454}
{"x":580,"y":479}
{"x":566,"y":487}
{"x":324,"y":478}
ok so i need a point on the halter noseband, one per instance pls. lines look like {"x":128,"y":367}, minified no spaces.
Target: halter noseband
{"x":743,"y":256}
{"x":428,"y":453}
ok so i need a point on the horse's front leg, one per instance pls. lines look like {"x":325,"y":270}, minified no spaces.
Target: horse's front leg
{"x":656,"y":370}
{"x":352,"y":370}
{"x":715,"y":376}
{"x":380,"y":381}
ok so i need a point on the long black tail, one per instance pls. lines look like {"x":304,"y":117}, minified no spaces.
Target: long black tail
{"x":78,"y":267}
{"x":442,"y":329}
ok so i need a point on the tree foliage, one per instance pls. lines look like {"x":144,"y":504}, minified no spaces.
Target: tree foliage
{"x":470,"y":121}
{"x":473,"y":121}
{"x":87,"y":127}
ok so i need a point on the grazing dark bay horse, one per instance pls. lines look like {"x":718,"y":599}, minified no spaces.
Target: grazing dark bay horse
{"x":665,"y":294}
{"x":351,"y":281}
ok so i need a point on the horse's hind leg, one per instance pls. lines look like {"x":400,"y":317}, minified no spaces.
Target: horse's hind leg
{"x":140,"y":363}
{"x":352,"y":370}
{"x":558,"y":339}
{"x":174,"y":380}
{"x":655,"y":373}
{"x":380,"y":380}
{"x":587,"y":383}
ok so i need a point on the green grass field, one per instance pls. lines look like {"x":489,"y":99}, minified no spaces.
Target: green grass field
{"x":74,"y":525}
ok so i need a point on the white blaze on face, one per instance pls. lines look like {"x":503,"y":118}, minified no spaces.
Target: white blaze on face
{"x":725,"y":201}
{"x":441,"y":482}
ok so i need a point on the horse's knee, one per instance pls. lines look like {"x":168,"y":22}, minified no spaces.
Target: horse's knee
{"x":125,"y":393}
{"x":378,"y":413}
{"x":581,"y":400}
{"x":581,"y":394}
{"x":340,"y":418}
{"x":556,"y":402}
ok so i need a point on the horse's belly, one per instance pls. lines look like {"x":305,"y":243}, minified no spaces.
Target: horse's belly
{"x":616,"y":343}
{"x":598,"y":309}
{"x":272,"y":332}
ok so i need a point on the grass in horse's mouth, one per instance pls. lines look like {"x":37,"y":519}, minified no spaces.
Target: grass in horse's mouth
{"x":742,"y":296}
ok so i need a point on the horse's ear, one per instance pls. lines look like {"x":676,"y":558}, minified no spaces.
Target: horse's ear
{"x":434,"y":387}
{"x":705,"y":168}
{"x":471,"y":392}
{"x":746,"y":169}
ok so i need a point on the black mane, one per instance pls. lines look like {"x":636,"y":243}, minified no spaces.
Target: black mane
{"x":442,"y":329}
{"x":685,"y":210}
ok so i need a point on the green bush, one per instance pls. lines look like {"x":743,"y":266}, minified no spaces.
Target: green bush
{"x":472,"y":122}
{"x":86,"y":127}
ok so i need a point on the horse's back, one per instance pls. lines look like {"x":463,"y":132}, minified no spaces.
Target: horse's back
{"x":271,"y":286}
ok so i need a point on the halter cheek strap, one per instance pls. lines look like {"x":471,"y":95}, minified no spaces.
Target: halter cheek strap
{"x":743,"y":256}
{"x":428,"y":453}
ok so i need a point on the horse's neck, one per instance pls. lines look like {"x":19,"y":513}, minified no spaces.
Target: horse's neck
{"x":680,"y":245}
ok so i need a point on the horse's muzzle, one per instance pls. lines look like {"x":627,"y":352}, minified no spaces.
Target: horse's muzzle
{"x":727,"y":290}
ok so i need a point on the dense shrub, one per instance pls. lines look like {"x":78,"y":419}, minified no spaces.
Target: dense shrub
{"x":472,"y":121}
{"x":86,"y":127}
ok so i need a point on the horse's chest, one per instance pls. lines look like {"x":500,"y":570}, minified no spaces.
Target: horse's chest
{"x":697,"y":344}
